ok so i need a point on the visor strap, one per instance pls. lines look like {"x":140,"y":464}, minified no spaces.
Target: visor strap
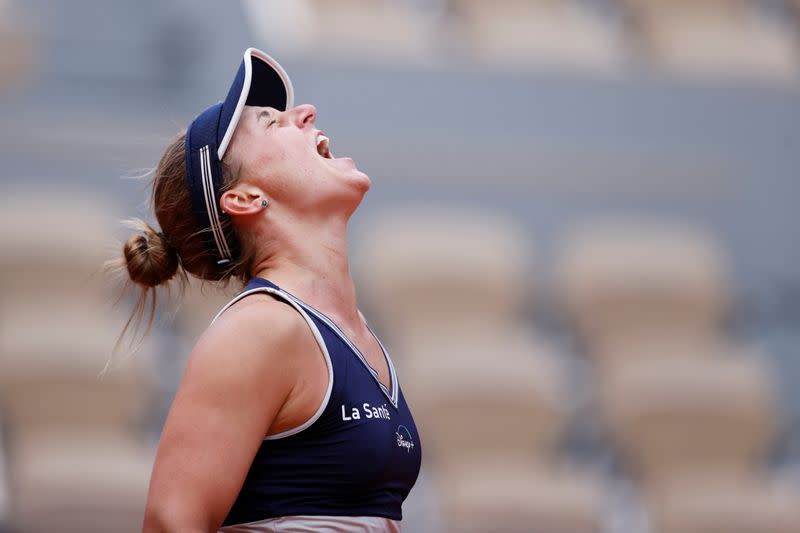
{"x":211,"y":207}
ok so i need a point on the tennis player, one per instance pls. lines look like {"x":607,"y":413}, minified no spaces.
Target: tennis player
{"x":289,"y":416}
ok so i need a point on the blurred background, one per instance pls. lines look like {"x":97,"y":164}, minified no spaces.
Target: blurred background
{"x":580,"y":247}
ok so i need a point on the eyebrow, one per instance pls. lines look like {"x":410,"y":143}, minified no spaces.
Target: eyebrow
{"x":264,"y":113}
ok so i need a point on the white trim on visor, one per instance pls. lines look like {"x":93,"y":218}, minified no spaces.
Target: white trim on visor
{"x":248,"y":76}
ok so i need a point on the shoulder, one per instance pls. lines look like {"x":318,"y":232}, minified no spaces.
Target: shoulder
{"x":240,"y":375}
{"x":258,"y":337}
{"x":259,"y":317}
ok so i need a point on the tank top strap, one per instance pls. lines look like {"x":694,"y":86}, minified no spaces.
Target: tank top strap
{"x":258,"y":285}
{"x":321,"y":320}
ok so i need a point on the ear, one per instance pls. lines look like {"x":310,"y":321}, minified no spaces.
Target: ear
{"x":242,"y":200}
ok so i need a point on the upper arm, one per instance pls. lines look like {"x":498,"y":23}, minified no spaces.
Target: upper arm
{"x":238,"y":377}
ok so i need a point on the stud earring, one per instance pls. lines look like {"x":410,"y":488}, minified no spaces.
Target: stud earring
{"x":263,"y":204}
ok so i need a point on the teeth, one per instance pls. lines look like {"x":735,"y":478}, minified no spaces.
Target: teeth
{"x":322,"y":146}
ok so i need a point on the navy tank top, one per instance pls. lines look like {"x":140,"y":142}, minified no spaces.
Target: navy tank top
{"x":358,"y":455}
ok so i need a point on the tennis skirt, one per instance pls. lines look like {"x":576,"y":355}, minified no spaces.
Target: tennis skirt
{"x":317,"y":524}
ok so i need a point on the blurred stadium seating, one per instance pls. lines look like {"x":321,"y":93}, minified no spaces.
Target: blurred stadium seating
{"x":78,"y":452}
{"x":558,"y":34}
{"x":489,"y":395}
{"x":716,"y":38}
{"x":579,"y":248}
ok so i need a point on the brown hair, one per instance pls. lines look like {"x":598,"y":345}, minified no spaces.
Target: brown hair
{"x":152,"y":258}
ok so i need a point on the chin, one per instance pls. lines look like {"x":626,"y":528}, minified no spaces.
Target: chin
{"x":357,"y":179}
{"x":358,"y":185}
{"x":363,"y":181}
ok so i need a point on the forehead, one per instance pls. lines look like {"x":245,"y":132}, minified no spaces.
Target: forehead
{"x":252,"y":114}
{"x":251,"y":138}
{"x":253,"y":120}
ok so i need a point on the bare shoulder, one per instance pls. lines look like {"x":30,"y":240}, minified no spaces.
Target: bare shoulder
{"x":258,"y":316}
{"x":255,"y":336}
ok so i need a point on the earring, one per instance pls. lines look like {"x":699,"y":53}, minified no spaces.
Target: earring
{"x":263,"y":204}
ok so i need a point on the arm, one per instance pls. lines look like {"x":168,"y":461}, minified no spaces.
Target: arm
{"x":239,"y":376}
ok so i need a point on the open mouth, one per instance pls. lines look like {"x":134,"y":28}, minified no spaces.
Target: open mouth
{"x":322,"y":146}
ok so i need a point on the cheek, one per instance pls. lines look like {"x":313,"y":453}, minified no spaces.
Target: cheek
{"x":277,"y":170}
{"x":267,"y":162}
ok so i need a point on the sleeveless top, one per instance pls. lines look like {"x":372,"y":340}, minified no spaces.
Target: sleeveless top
{"x":357,"y":456}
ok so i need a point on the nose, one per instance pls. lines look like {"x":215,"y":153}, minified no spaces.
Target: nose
{"x":304,"y":115}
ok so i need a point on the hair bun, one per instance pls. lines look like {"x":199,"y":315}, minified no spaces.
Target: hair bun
{"x":149,"y":257}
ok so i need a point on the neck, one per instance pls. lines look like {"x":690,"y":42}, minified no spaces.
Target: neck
{"x":310,"y":261}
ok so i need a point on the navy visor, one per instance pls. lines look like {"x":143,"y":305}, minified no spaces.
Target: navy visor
{"x":260,"y":81}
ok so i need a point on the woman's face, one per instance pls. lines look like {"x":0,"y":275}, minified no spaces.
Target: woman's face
{"x":283,"y":153}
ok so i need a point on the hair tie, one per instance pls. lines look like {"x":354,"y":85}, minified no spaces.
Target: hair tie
{"x":168,"y":242}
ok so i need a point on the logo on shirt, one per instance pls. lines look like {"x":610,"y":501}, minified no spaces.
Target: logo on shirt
{"x":369,"y":411}
{"x":404,"y":439}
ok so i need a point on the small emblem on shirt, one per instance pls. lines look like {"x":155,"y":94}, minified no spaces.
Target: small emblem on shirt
{"x":404,"y":439}
{"x":369,"y":411}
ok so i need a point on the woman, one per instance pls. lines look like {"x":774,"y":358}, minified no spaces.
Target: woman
{"x":289,"y":416}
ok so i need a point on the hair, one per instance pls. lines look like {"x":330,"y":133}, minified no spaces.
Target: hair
{"x":152,"y":258}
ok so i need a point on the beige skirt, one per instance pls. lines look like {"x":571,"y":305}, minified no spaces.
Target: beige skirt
{"x":317,"y":524}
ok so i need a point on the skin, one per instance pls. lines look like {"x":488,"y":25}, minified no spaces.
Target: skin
{"x":258,"y":369}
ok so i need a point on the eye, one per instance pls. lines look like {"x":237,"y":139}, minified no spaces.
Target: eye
{"x":271,"y":119}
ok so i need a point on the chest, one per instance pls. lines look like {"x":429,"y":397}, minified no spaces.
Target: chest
{"x":372,"y":352}
{"x":382,"y":441}
{"x":373,"y":422}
